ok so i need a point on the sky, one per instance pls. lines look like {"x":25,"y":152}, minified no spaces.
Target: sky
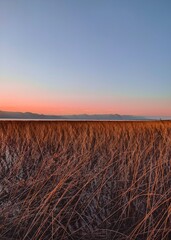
{"x":86,"y":57}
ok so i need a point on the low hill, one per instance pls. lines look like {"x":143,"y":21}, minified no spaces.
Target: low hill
{"x":29,"y":115}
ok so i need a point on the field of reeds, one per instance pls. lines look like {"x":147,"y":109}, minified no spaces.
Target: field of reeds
{"x":85,"y":180}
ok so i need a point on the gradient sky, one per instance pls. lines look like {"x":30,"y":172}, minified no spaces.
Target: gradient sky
{"x":91,"y":56}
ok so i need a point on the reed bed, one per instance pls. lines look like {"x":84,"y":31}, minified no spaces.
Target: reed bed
{"x":85,"y":180}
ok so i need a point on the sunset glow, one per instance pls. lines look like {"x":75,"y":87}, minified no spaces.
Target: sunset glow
{"x":85,"y":58}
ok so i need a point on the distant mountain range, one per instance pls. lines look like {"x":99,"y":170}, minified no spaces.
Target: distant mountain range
{"x":29,"y":115}
{"x":110,"y":117}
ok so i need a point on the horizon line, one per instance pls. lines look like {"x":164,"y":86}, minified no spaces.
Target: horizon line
{"x":88,"y":114}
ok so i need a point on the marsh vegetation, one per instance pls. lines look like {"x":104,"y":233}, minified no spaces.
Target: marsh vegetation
{"x":85,"y":180}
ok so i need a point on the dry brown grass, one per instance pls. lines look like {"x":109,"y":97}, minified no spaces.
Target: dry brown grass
{"x":85,"y":180}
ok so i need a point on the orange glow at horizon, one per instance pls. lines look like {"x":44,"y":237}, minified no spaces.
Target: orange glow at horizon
{"x":25,"y":98}
{"x":86,"y":107}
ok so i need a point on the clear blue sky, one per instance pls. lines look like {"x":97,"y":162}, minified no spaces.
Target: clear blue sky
{"x":91,"y":56}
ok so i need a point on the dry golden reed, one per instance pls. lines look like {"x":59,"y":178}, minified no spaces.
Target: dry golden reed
{"x":85,"y":180}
